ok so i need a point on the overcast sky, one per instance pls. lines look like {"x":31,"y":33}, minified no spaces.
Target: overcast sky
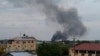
{"x":16,"y":17}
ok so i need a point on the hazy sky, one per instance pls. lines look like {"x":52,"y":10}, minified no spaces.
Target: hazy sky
{"x":16,"y":17}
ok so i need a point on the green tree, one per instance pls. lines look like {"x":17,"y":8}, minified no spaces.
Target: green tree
{"x":51,"y":49}
{"x":64,"y":48}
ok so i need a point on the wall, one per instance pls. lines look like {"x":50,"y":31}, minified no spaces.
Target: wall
{"x":71,"y":53}
{"x":18,"y":45}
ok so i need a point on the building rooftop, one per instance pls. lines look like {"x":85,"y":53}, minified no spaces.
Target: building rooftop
{"x":88,"y":46}
{"x":24,"y":37}
{"x":21,"y":38}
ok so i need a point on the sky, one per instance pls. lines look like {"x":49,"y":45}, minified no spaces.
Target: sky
{"x":17,"y":18}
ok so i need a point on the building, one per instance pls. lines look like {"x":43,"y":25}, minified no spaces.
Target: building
{"x":85,"y":49}
{"x":23,"y":43}
{"x":3,"y":43}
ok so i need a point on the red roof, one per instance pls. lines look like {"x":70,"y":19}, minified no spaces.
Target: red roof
{"x":88,"y":46}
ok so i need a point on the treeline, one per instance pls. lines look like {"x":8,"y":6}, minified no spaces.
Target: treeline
{"x":82,"y":41}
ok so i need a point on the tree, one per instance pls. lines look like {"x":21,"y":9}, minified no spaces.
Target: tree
{"x":51,"y":49}
{"x":64,"y":48}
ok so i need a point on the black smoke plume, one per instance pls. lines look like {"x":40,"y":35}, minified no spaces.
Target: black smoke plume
{"x":58,"y":35}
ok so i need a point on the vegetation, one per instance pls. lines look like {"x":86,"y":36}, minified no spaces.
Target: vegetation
{"x":1,"y":50}
{"x":3,"y":53}
{"x":52,"y":49}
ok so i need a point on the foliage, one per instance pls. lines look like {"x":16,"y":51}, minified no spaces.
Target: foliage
{"x":64,"y":49}
{"x":52,"y":49}
{"x":1,"y":50}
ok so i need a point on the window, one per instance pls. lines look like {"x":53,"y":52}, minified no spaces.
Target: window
{"x":28,"y":41}
{"x":32,"y":41}
{"x":18,"y":46}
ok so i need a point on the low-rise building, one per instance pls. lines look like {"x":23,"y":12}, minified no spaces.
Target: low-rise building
{"x":23,"y":43}
{"x":85,"y":49}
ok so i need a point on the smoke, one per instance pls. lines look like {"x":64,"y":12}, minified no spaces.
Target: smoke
{"x":68,"y":19}
{"x":57,"y":35}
